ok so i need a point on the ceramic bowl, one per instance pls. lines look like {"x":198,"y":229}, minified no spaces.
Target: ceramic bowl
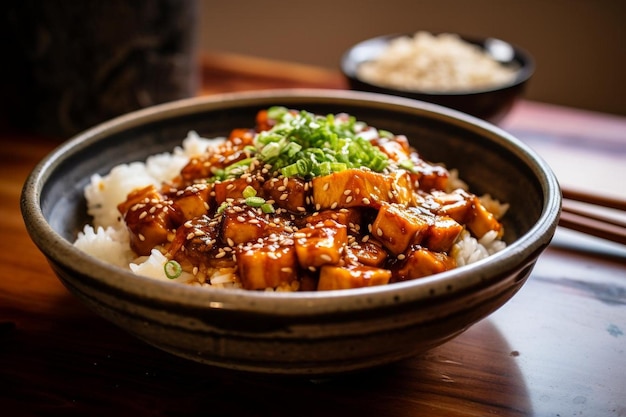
{"x":491,"y":104}
{"x":302,"y":333}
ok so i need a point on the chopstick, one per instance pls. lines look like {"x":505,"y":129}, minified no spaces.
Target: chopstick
{"x":589,"y":220}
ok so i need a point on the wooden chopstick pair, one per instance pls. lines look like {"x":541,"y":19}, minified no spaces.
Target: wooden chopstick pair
{"x":592,"y":222}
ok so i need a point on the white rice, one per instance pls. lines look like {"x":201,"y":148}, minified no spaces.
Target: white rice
{"x":427,"y":62}
{"x":107,"y":238}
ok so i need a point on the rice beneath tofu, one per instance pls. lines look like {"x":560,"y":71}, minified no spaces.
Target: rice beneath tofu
{"x":107,"y":237}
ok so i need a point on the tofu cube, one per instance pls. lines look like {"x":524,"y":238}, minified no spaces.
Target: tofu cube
{"x":192,"y":202}
{"x":360,"y":188}
{"x":321,"y":244}
{"x":421,"y":262}
{"x":351,"y":276}
{"x":442,"y":234}
{"x":270,"y":266}
{"x":290,"y":193}
{"x":397,"y":227}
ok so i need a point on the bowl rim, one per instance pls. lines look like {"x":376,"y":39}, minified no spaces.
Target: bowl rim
{"x":60,"y":251}
{"x":349,"y":64}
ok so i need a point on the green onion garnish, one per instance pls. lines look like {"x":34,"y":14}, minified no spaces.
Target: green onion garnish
{"x":172,"y":269}
{"x":407,"y":164}
{"x":255,"y":201}
{"x":249,"y":191}
{"x":308,"y":145}
{"x":222,"y":207}
{"x":267,"y":208}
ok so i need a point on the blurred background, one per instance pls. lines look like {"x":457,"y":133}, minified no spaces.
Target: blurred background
{"x":70,"y":65}
{"x":578,"y":45}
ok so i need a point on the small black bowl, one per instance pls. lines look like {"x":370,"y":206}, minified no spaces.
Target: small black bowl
{"x":491,"y":104}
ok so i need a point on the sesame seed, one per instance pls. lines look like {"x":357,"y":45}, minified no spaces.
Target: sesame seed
{"x":326,"y":186}
{"x":141,"y":237}
{"x":283,"y":197}
{"x":347,"y":192}
{"x":241,"y":219}
{"x":152,"y":210}
{"x":143,"y":214}
{"x":281,"y":188}
{"x":230,"y":242}
{"x":348,"y":199}
{"x":379,"y":232}
{"x":334,"y":205}
{"x":302,"y":209}
{"x":366,"y":201}
{"x":220,"y":254}
{"x":401,"y":256}
{"x":325,"y":257}
{"x":286,"y":269}
{"x":230,"y":186}
{"x":190,"y":235}
{"x":254,"y":221}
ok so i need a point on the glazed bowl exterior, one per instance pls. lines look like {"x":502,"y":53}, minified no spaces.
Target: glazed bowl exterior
{"x":491,"y":104}
{"x":302,"y":333}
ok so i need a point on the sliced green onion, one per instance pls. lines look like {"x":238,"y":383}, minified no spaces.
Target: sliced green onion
{"x":255,"y":201}
{"x":290,"y":171}
{"x":172,"y":269}
{"x":307,"y":145}
{"x":249,"y":191}
{"x":407,"y":164}
{"x":222,"y":207}
{"x":267,"y":208}
{"x":385,"y":134}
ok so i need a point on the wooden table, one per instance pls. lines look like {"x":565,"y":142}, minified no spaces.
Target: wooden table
{"x":556,"y":349}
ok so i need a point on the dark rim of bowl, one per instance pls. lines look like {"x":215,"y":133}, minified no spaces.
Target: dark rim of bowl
{"x":349,"y":65}
{"x":61,"y":251}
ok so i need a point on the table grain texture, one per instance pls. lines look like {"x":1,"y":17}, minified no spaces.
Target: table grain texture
{"x":556,"y":349}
